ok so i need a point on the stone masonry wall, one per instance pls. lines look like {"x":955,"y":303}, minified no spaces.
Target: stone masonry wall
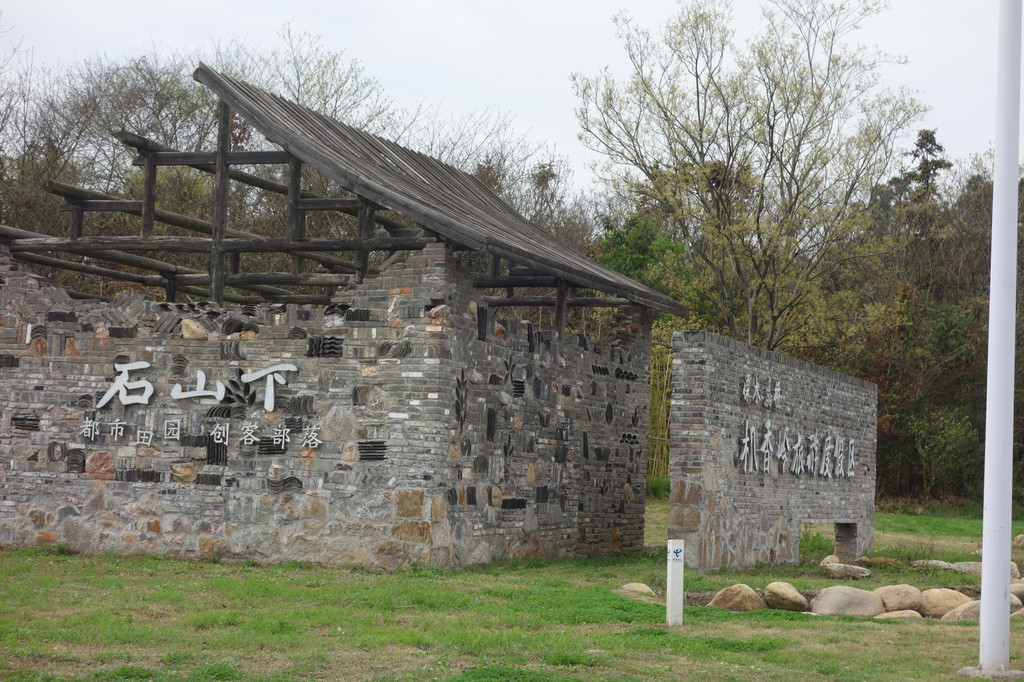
{"x":394,"y":433}
{"x":549,"y":440}
{"x":761,"y":443}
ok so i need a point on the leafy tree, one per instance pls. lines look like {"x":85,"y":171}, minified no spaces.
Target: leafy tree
{"x":760,"y":160}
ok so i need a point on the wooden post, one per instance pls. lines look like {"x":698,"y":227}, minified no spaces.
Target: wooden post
{"x":295,"y":219}
{"x":170,"y":286}
{"x":560,"y":296}
{"x":148,"y":195}
{"x":365,"y":232}
{"x":77,"y":221}
{"x":220,"y":203}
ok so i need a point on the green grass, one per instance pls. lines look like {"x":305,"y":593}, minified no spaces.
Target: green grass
{"x":100,"y":617}
{"x":925,"y":525}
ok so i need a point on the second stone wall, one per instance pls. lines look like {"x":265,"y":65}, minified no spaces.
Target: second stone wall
{"x":760,"y":444}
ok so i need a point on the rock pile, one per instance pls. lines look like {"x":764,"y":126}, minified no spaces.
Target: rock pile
{"x":890,"y":601}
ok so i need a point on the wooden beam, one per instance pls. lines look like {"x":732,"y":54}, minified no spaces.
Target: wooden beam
{"x":111,"y":206}
{"x":88,"y":269}
{"x":14,"y":235}
{"x":170,"y":287}
{"x":146,"y":145}
{"x":301,"y":299}
{"x":551,"y":301}
{"x":560,"y":296}
{"x":532,"y":281}
{"x":294,"y":218}
{"x":313,"y":279}
{"x":220,"y":202}
{"x":365,"y":232}
{"x":77,"y":222}
{"x":72,"y":193}
{"x":200,"y":245}
{"x":328,"y":204}
{"x":244,"y":158}
{"x":148,"y":196}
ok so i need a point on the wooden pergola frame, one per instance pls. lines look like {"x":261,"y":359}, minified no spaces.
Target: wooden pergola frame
{"x":443,"y":203}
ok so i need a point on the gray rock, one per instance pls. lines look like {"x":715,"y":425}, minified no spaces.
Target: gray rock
{"x":639,"y":588}
{"x":842,"y":600}
{"x":900,"y":597}
{"x":738,"y":598}
{"x":931,"y":563}
{"x":845,"y":571}
{"x":968,"y":567}
{"x":905,"y":613}
{"x":968,"y":611}
{"x":1017,"y":590}
{"x":938,"y":601}
{"x":783,"y":596}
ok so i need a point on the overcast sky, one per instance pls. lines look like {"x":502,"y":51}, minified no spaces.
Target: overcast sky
{"x":469,"y":54}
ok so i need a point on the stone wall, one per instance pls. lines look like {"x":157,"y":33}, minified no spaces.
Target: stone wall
{"x":406,"y":424}
{"x":760,"y":444}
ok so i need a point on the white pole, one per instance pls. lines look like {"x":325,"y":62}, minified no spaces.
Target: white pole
{"x":994,"y":647}
{"x":674,"y":583}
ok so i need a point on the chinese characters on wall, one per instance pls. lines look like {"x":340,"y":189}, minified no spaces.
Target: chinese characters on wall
{"x":765,"y":444}
{"x":135,"y":391}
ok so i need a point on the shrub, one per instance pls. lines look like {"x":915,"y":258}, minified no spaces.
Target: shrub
{"x":658,"y":487}
{"x":949,"y":449}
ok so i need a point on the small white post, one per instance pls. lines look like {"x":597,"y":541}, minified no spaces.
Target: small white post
{"x":674,"y":591}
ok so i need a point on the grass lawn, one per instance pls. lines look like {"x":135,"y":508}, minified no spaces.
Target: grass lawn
{"x":149,"y":618}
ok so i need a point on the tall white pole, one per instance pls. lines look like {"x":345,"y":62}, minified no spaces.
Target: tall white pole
{"x":994,"y":648}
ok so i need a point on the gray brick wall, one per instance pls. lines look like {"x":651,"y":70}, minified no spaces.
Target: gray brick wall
{"x":425,"y":439}
{"x":728,"y":400}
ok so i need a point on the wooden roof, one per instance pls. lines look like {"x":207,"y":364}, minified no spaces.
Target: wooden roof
{"x":435,"y":195}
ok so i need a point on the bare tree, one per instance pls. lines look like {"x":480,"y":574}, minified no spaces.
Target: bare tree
{"x":762,"y":159}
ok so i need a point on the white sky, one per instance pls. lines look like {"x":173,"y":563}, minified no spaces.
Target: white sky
{"x":468,"y":54}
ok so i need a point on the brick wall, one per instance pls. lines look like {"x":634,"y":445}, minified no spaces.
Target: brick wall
{"x":410,"y":426}
{"x":761,"y":443}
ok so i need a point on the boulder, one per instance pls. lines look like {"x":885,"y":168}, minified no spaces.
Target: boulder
{"x":900,"y":597}
{"x":830,"y":559}
{"x":1017,"y":590}
{"x":845,"y":571}
{"x":639,"y":588}
{"x":970,"y":610}
{"x":1019,"y":541}
{"x":968,"y":567}
{"x":842,"y":600}
{"x":931,"y":563}
{"x":938,"y":601}
{"x":785,"y":597}
{"x":738,"y":598}
{"x":905,"y":613}
{"x":974,"y":568}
